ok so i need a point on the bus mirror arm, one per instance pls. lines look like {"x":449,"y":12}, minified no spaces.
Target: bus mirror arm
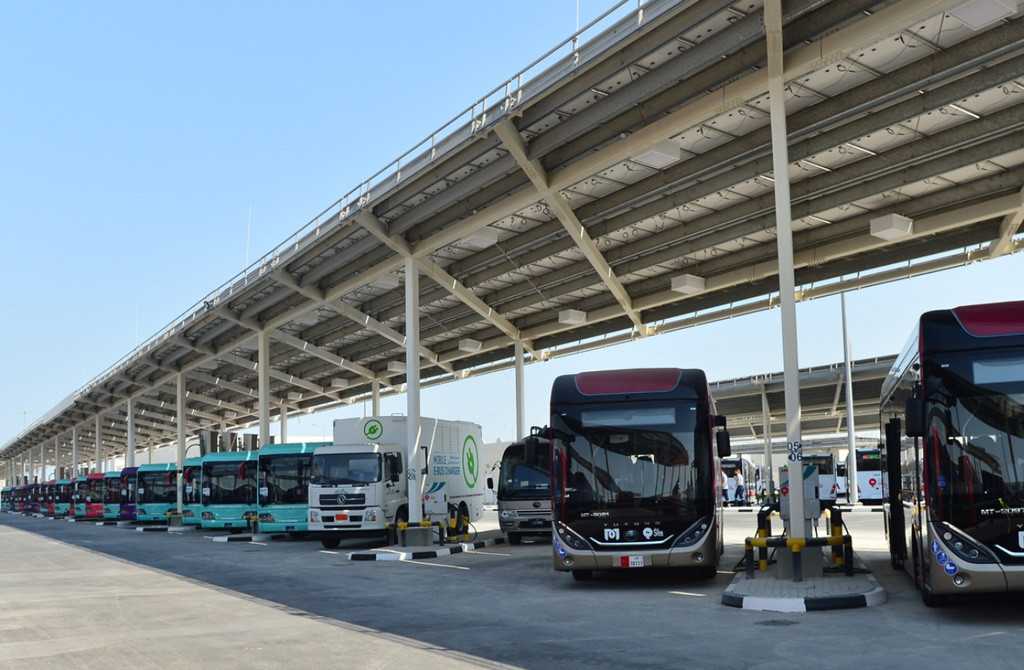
{"x":724,"y":446}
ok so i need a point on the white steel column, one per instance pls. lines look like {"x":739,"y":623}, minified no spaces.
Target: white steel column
{"x":129,"y":457}
{"x":31,"y":466}
{"x":768,"y":475}
{"x":851,"y":440}
{"x":180,"y":458}
{"x":375,"y":402}
{"x":99,"y":443}
{"x":74,"y":451}
{"x":787,"y":280}
{"x":284,"y":422}
{"x":412,"y":379}
{"x":520,"y":393}
{"x":263,"y":373}
{"x":42,"y":462}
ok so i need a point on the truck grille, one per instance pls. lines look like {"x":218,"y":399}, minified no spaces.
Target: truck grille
{"x":342,"y":499}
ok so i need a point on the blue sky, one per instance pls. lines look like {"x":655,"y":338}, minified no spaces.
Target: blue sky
{"x":136,"y":136}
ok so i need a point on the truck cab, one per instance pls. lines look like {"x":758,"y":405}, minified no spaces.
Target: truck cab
{"x":357,"y":489}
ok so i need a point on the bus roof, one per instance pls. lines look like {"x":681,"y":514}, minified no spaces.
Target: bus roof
{"x":291,"y":448}
{"x":157,"y":467}
{"x":230,"y":456}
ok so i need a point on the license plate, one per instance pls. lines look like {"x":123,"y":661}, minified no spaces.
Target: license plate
{"x":632,"y":561}
{"x":341,"y":517}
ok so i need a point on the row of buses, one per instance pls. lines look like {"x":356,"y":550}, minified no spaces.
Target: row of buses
{"x":635,"y":461}
{"x":238,"y":490}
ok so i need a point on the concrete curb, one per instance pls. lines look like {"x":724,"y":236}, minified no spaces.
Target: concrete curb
{"x":418,"y":553}
{"x":789,"y":599}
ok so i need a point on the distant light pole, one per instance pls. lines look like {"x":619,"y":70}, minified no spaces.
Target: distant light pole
{"x":23,"y":419}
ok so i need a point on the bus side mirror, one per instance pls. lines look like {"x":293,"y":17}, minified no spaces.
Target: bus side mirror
{"x":490,"y":483}
{"x":914,"y":417}
{"x":724,"y":446}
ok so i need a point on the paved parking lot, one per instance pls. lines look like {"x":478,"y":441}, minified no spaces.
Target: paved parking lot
{"x":78,"y":595}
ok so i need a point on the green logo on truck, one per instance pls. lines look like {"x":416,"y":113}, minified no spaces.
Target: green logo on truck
{"x":372,"y":430}
{"x":470,"y":461}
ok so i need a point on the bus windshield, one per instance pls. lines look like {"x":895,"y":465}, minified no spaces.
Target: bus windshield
{"x":342,"y":469}
{"x":284,"y":479}
{"x":624,"y":457}
{"x":228,"y":483}
{"x":523,"y":480}
{"x":158,"y":487}
{"x":980,"y":463}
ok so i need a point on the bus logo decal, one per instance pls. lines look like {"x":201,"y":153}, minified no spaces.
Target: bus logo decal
{"x":611,"y":534}
{"x":950,"y":568}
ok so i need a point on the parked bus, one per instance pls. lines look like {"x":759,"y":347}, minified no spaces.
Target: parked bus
{"x":827,"y":488}
{"x":191,"y":497}
{"x":156,"y":491}
{"x":283,"y":486}
{"x":229,"y":490}
{"x":635,"y":474}
{"x":6,"y":495}
{"x":954,"y":503}
{"x":869,"y":475}
{"x":112,"y":495}
{"x":731,"y":493}
{"x":94,"y":495}
{"x":78,"y":487}
{"x":129,"y":478}
{"x":30,"y":497}
{"x":62,"y":498}
{"x":524,"y":488}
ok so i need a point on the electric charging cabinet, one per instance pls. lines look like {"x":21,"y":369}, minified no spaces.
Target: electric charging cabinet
{"x":812,"y":559}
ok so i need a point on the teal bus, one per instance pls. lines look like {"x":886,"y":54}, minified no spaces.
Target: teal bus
{"x":62,"y":498}
{"x":112,"y":495}
{"x":229,"y":490}
{"x":191,"y":498}
{"x":283,"y":487}
{"x":156,"y":491}
{"x":6,"y":493}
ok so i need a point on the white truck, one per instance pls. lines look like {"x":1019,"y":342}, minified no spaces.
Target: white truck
{"x":366,"y":480}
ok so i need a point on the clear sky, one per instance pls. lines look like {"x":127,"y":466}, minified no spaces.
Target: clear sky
{"x":136,"y":137}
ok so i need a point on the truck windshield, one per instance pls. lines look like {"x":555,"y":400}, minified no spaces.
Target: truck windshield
{"x":340,"y":469}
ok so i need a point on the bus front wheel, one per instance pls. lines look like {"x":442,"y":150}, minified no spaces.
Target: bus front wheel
{"x":582,"y":575}
{"x":330,"y":542}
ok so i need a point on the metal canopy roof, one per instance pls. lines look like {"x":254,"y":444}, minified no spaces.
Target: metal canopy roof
{"x":627,"y":186}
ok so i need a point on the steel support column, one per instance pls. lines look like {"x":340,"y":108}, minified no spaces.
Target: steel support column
{"x":180,"y":457}
{"x":263,"y":373}
{"x":129,"y":457}
{"x":98,"y":463}
{"x":74,"y":451}
{"x":851,"y":450}
{"x":283,"y":416}
{"x":412,"y":380}
{"x":787,"y":280}
{"x":520,"y":393}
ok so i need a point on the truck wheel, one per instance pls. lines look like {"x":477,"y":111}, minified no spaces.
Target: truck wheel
{"x":515,"y":538}
{"x":330,"y":542}
{"x":582,"y":575}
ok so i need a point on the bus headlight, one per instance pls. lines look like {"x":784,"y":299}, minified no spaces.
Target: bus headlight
{"x":507,"y":514}
{"x":963,"y":546}
{"x":571,"y":538}
{"x":694,"y":533}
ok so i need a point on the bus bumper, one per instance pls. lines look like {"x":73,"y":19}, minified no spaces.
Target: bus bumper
{"x":701,"y":554}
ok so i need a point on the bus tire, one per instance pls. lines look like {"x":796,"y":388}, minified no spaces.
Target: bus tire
{"x":330,"y":541}
{"x":582,"y":575}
